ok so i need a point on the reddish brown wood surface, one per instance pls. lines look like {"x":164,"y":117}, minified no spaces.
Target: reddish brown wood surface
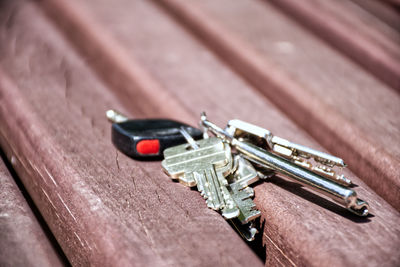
{"x":104,"y":208}
{"x":128,"y":80}
{"x":325,"y":99}
{"x":341,"y":25}
{"x":395,"y":3}
{"x":23,"y":241}
{"x":383,"y":11}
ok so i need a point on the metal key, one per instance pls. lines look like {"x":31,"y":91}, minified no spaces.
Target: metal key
{"x":207,"y":166}
{"x":244,"y":175}
{"x":296,"y":153}
{"x":340,"y":194}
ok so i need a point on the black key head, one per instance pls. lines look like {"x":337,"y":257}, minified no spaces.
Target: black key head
{"x":146,"y":139}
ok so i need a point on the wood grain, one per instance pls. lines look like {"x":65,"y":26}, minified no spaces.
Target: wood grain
{"x":352,"y":32}
{"x":385,"y":12}
{"x":300,"y":228}
{"x":103,"y":208}
{"x":335,"y":117}
{"x":23,"y":240}
{"x":127,"y":79}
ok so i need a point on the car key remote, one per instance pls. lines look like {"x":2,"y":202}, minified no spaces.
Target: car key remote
{"x":147,"y":138}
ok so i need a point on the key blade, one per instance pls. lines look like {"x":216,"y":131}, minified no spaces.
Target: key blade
{"x":238,"y":128}
{"x":338,"y":193}
{"x":295,"y":152}
{"x":307,"y":152}
{"x":216,"y":198}
{"x":245,"y":204}
{"x":244,"y":175}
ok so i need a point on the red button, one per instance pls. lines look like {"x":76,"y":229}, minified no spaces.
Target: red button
{"x":148,"y":147}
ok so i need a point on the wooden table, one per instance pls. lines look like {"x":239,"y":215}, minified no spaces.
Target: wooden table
{"x":323,"y":74}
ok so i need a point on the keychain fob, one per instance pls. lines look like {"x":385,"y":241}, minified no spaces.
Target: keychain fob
{"x":148,"y":138}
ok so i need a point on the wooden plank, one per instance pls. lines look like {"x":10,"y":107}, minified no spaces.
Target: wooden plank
{"x":103,"y":208}
{"x":300,"y":228}
{"x":394,"y":3}
{"x":385,"y":12}
{"x":339,"y":23}
{"x":335,"y":117}
{"x":127,"y":79}
{"x":23,"y":240}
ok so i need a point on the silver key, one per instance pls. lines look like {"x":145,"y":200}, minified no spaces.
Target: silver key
{"x":296,"y":153}
{"x":245,"y":204}
{"x":244,"y":175}
{"x":242,"y":172}
{"x":205,"y":167}
{"x":341,"y":194}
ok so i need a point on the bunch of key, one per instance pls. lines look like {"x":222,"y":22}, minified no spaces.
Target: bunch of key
{"x":223,"y":167}
{"x":223,"y":177}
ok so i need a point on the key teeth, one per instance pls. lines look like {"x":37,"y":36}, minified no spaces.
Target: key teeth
{"x":250,"y":216}
{"x":247,"y":207}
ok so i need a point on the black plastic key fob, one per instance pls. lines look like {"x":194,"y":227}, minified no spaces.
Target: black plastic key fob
{"x":148,"y":138}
